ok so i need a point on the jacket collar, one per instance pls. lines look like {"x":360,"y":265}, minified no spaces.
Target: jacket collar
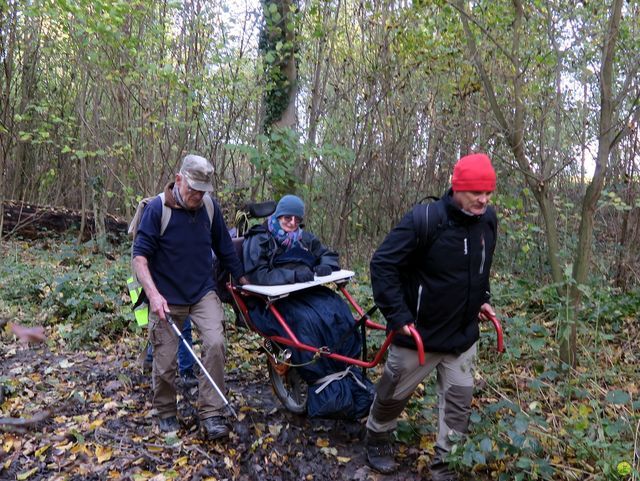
{"x":456,"y":214}
{"x":169,"y":199}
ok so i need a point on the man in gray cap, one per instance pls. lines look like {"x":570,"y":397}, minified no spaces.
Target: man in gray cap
{"x":172,"y":259}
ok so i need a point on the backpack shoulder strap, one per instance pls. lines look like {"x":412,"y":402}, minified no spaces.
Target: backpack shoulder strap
{"x":137,"y":216}
{"x":166,"y":212}
{"x":429,"y":221}
{"x":208,"y":203}
{"x":166,"y":215}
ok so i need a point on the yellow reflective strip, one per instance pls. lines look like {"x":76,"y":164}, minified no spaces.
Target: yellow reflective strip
{"x":142,"y":315}
{"x":134,"y":294}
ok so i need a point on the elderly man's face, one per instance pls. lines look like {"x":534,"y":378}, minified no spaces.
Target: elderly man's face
{"x":472,"y":202}
{"x":192,"y":198}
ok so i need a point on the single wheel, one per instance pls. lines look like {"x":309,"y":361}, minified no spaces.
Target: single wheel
{"x":289,"y":387}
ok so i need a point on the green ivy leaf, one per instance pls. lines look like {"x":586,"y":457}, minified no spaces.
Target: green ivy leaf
{"x":618,"y":397}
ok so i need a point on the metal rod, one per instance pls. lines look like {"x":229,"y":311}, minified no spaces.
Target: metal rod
{"x":204,"y":370}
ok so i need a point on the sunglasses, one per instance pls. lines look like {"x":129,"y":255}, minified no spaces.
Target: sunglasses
{"x":289,"y":218}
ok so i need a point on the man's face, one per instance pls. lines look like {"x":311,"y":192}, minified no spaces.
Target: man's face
{"x":471,"y":201}
{"x":192,"y":198}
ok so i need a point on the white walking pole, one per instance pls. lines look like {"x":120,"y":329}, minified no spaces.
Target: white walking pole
{"x":204,"y":370}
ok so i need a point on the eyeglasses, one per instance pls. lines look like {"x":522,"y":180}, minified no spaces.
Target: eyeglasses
{"x":194,"y":191}
{"x":289,"y":218}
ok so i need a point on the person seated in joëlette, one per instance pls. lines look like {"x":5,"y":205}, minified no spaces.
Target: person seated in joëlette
{"x":279,"y":251}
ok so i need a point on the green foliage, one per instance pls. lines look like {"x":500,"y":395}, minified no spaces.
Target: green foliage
{"x":278,"y":48}
{"x":278,"y":156}
{"x":82,"y":293}
{"x":533,"y":418}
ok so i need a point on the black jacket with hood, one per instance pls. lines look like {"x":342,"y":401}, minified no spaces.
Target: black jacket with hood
{"x":439,"y":287}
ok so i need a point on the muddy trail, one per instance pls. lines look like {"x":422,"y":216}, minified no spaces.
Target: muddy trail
{"x":87,"y":415}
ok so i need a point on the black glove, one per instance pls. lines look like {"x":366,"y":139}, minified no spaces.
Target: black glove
{"x":303,"y":274}
{"x":322,"y":270}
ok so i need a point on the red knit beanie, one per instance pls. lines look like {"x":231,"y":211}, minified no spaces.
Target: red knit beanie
{"x":474,"y":173}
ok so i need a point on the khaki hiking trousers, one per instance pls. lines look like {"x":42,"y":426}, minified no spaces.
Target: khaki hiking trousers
{"x":208,"y":317}
{"x":402,"y":374}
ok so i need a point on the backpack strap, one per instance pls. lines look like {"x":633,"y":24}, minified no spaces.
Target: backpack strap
{"x":429,"y":220}
{"x":166,"y":212}
{"x":208,"y":203}
{"x":137,"y":216}
{"x":166,"y":215}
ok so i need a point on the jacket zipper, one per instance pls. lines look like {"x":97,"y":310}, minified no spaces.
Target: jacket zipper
{"x":483,"y":255}
{"x":419,"y":299}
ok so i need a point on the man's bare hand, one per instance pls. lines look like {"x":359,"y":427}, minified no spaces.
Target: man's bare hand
{"x":158,"y":305}
{"x":405,"y":330}
{"x":486,"y":312}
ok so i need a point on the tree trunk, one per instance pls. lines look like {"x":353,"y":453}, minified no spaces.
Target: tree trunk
{"x":8,"y":19}
{"x":606,"y":135}
{"x":514,"y":132}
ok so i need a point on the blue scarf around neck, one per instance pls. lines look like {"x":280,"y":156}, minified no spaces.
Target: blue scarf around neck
{"x":285,"y":239}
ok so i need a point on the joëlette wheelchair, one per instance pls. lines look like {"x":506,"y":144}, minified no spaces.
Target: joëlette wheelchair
{"x":287,"y":383}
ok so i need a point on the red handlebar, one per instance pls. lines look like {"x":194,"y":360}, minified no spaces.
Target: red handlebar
{"x":498,"y":326}
{"x":420,"y":347}
{"x":417,"y":338}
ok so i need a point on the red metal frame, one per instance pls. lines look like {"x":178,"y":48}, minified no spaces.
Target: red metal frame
{"x":293,"y":341}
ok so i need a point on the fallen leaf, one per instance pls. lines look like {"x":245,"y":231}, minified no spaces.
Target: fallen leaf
{"x":65,"y":364}
{"x":103,"y":454}
{"x":322,"y":442}
{"x":329,"y":451}
{"x":26,"y":474}
{"x":39,"y":452}
{"x":274,"y":429}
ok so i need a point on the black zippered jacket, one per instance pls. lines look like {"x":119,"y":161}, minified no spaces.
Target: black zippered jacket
{"x":440,"y":285}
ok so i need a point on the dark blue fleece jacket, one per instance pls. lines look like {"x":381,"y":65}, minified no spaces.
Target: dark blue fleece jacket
{"x":180,"y":260}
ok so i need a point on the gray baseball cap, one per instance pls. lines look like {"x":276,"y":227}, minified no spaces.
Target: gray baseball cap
{"x":198,"y":172}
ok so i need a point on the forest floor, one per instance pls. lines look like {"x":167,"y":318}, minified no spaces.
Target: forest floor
{"x":71,"y":415}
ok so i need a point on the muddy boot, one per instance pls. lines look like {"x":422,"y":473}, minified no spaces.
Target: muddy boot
{"x":214,"y":427}
{"x":188,"y":379}
{"x":380,"y":452}
{"x":167,"y":425}
{"x":439,"y":468}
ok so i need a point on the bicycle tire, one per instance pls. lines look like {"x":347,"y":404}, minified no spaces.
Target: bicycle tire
{"x":289,"y":388}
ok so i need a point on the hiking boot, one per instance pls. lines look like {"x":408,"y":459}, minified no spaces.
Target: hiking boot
{"x":441,"y":472}
{"x":214,"y":428}
{"x":439,"y":469}
{"x":187,"y":414}
{"x":380,"y":452}
{"x":188,"y":379}
{"x":169,"y":424}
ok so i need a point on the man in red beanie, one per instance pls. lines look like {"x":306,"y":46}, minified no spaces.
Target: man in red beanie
{"x":432,"y":272}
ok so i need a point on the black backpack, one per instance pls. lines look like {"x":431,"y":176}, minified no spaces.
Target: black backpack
{"x":429,"y":220}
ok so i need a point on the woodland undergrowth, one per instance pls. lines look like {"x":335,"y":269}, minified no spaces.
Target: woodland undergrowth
{"x":533,"y":418}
